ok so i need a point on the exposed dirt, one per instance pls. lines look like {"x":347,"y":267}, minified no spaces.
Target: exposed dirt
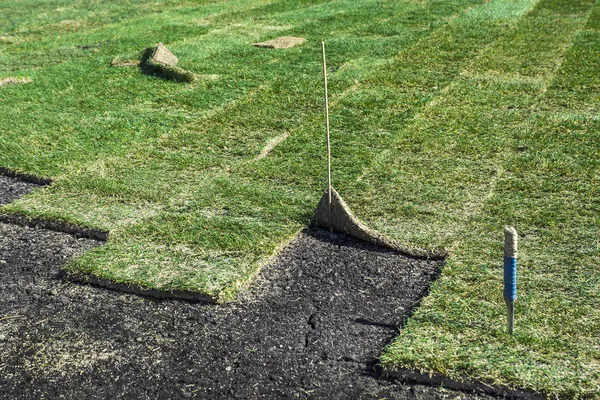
{"x":11,"y":188}
{"x":284,"y":42}
{"x":14,"y":81}
{"x":117,"y":62}
{"x":311,"y":327}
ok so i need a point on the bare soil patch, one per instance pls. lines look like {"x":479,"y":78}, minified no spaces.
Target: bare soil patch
{"x":11,"y":188}
{"x":10,"y":39}
{"x":14,"y":81}
{"x":284,"y":42}
{"x":311,"y":327}
{"x":117,"y":62}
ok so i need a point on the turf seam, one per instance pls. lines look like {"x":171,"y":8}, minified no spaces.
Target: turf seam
{"x":443,"y":92}
{"x":114,"y":26}
{"x":565,"y":50}
{"x":546,"y":83}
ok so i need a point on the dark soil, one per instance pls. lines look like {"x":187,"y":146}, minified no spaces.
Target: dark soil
{"x":11,"y":188}
{"x":311,"y":327}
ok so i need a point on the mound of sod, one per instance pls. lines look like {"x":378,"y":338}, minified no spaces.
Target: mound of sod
{"x":159,"y":61}
{"x":450,"y":119}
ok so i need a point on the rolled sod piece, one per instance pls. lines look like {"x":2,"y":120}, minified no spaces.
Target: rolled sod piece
{"x":159,"y":61}
{"x":342,"y":220}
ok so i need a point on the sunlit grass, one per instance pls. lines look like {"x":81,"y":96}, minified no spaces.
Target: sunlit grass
{"x":450,"y":119}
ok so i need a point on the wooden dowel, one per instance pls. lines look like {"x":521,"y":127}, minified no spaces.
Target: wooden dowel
{"x":328,"y":139}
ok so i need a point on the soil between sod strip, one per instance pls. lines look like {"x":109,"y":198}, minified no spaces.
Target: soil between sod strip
{"x":12,"y":188}
{"x":311,"y":327}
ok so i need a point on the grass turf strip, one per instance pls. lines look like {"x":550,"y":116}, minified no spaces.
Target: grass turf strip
{"x":466,"y":116}
{"x":179,"y":163}
{"x":544,"y":182}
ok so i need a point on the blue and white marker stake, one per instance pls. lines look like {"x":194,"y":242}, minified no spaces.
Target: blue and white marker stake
{"x":510,"y":274}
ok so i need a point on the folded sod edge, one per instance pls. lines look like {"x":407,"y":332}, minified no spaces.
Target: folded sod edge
{"x":150,"y":66}
{"x":340,"y":218}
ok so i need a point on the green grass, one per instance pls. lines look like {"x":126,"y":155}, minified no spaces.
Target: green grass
{"x":450,"y":119}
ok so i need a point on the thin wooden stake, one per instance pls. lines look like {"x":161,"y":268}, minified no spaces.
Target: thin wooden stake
{"x":510,"y":274}
{"x":328,"y":139}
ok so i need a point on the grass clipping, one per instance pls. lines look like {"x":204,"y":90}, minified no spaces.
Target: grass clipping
{"x":159,"y":61}
{"x":342,"y":220}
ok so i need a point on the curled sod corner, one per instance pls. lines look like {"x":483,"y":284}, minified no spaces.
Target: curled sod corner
{"x":159,"y":61}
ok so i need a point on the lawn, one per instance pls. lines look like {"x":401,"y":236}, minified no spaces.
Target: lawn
{"x":449,"y":120}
